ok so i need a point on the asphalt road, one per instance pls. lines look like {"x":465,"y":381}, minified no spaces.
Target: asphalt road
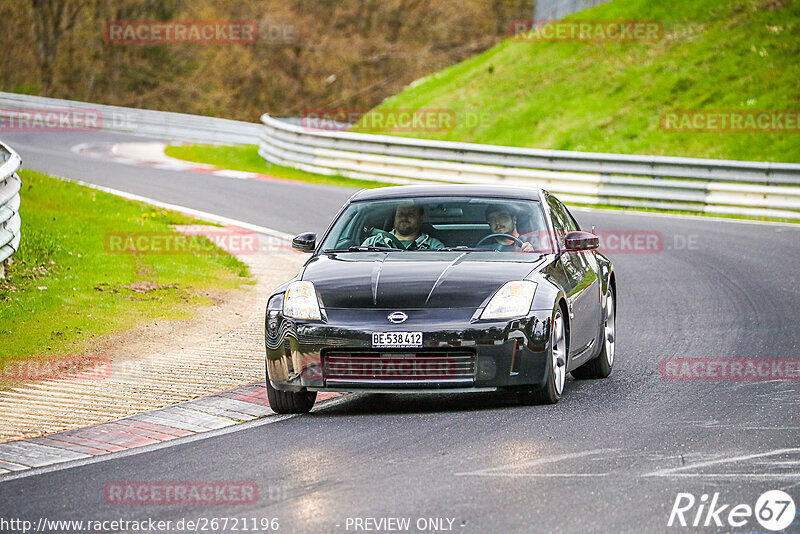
{"x":612,"y":456}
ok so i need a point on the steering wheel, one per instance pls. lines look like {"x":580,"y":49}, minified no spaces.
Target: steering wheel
{"x":517,"y":241}
{"x":396,"y":242}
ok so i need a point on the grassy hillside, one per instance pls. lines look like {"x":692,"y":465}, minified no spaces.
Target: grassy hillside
{"x":610,"y":97}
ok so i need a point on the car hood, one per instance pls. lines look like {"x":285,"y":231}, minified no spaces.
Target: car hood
{"x":414,"y":279}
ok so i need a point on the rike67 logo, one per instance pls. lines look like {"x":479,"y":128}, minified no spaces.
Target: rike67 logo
{"x":774,"y":510}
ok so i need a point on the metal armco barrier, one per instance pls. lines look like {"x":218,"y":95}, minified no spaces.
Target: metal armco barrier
{"x":20,"y":112}
{"x":760,"y":189}
{"x":557,"y":9}
{"x":10,"y":222}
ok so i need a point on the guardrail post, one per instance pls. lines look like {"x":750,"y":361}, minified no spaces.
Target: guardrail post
{"x":10,"y":222}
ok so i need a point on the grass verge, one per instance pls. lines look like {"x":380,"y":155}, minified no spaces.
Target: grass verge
{"x":246,"y":158}
{"x":64,"y":289}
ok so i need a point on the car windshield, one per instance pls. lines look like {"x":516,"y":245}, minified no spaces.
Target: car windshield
{"x":440,"y":223}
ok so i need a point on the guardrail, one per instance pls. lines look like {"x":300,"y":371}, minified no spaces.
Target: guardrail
{"x":761,"y":189}
{"x":557,"y":9}
{"x":23,"y":110}
{"x":10,"y":222}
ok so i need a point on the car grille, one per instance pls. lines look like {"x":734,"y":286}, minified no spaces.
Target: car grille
{"x":399,"y":367}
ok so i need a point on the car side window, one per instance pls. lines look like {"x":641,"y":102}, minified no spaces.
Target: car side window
{"x":561,"y":220}
{"x":574,"y":223}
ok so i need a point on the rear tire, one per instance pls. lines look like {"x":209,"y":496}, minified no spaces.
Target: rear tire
{"x":601,"y":366}
{"x":550,"y":392}
{"x":289,"y":402}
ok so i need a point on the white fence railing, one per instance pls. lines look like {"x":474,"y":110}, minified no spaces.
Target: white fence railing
{"x":761,"y":189}
{"x":21,"y":112}
{"x":10,"y":222}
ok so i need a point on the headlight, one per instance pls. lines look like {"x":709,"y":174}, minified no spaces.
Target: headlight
{"x":513,"y":300}
{"x":301,"y":301}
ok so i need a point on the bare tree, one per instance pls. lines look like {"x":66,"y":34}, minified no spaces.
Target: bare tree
{"x":52,"y":19}
{"x":337,"y":53}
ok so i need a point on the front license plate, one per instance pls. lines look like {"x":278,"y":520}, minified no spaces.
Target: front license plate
{"x":397,"y":339}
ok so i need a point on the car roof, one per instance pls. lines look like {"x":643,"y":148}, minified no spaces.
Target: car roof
{"x":489,"y":191}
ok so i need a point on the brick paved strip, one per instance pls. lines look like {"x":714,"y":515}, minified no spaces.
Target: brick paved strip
{"x":106,"y":433}
{"x":219,"y":412}
{"x":33,"y":455}
{"x":151,"y":434}
{"x":209,"y":422}
{"x":176,"y":432}
{"x":251,"y":394}
{"x":84,"y":449}
{"x":9,"y":466}
{"x":257,"y":391}
{"x":167,"y":419}
{"x":82,"y":441}
{"x":237,"y":406}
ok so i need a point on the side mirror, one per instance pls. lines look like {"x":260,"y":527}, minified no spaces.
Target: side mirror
{"x":305,"y":242}
{"x":575,"y":241}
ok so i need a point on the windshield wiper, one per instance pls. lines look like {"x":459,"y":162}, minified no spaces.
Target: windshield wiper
{"x":372,"y":248}
{"x":362,"y":248}
{"x":463,"y":249}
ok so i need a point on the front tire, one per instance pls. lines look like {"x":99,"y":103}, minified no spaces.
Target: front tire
{"x":290,"y":402}
{"x":550,"y":392}
{"x":601,"y":366}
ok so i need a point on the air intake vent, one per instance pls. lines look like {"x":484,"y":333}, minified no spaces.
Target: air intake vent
{"x":367,"y":367}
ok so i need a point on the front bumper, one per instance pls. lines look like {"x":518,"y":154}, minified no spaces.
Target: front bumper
{"x":337,"y":354}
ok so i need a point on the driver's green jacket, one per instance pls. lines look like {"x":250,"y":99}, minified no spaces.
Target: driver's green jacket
{"x":423,"y":242}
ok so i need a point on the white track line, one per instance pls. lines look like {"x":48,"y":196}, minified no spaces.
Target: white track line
{"x":496,"y":471}
{"x":674,"y":471}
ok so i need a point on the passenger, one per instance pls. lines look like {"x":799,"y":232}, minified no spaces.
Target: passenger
{"x":408,"y":230}
{"x":503,"y":220}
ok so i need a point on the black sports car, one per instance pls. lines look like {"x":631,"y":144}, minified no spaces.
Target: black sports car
{"x":443,"y":289}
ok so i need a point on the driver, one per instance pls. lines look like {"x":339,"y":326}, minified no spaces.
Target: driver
{"x":408,"y":230}
{"x":503,"y":220}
